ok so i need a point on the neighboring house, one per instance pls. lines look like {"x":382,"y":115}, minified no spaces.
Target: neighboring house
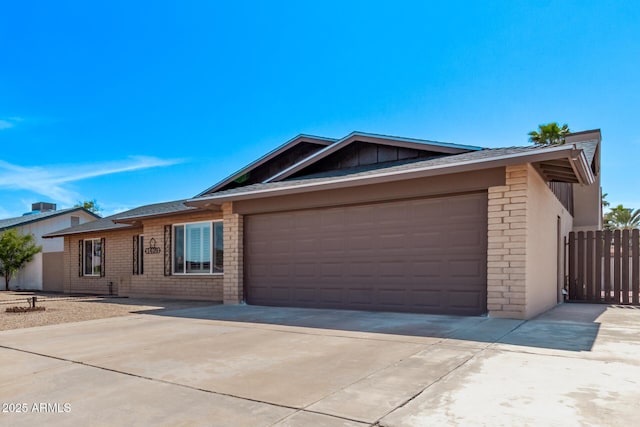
{"x":366,"y":222}
{"x":45,"y":271}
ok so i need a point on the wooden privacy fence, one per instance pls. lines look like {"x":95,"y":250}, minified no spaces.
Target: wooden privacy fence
{"x":604,"y":266}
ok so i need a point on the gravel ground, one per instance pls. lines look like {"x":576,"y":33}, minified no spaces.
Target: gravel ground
{"x":64,"y":309}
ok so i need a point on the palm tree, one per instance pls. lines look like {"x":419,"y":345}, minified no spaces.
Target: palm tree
{"x":622,"y":218}
{"x":549,"y":134}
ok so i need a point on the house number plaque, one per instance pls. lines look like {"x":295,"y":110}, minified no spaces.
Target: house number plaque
{"x":152,"y":249}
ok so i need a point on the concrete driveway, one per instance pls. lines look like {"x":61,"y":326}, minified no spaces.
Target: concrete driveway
{"x":258,"y":366}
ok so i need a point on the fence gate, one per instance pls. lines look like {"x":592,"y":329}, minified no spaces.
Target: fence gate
{"x":604,"y":266}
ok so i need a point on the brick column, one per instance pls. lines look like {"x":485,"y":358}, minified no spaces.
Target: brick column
{"x":68,"y":263}
{"x":507,"y":239}
{"x":233,"y":255}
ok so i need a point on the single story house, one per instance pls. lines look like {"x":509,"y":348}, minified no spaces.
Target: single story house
{"x":367,"y":222}
{"x":44,"y":272}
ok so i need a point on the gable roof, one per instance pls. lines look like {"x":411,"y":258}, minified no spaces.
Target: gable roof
{"x":270,"y":155}
{"x":395,"y":141}
{"x":569,"y":154}
{"x":124,"y":220}
{"x":19,"y":221}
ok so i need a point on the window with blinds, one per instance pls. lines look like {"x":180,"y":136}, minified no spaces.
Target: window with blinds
{"x":197,"y":248}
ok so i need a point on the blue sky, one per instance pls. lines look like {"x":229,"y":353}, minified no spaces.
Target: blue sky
{"x":140,"y":102}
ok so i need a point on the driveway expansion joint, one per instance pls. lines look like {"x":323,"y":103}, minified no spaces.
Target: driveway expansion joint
{"x":437,"y":380}
{"x":142,"y":377}
{"x":89,"y":365}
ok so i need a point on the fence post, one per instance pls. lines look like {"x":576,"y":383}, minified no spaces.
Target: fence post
{"x":616,"y":266}
{"x":589,"y":265}
{"x":635,"y":262}
{"x":580,"y":285}
{"x":572,"y":265}
{"x":607,"y":265}
{"x":598,"y":261}
{"x":626,"y":241}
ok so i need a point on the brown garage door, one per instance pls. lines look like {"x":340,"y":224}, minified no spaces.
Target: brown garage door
{"x":424,"y":256}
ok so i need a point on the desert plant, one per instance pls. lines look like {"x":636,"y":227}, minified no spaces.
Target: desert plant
{"x":16,"y":250}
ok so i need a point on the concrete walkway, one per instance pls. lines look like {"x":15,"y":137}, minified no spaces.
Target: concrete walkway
{"x":259,"y":366}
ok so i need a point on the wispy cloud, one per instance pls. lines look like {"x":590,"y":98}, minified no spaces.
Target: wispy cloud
{"x":9,"y":122}
{"x":51,"y":181}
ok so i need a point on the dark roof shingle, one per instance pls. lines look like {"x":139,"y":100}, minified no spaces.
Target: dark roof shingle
{"x":35,"y":217}
{"x":108,"y":223}
{"x":398,"y":167}
{"x":391,"y":167}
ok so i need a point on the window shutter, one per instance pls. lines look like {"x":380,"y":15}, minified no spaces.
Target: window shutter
{"x":136,"y":240}
{"x":102,"y":257}
{"x":167,"y":250}
{"x":80,"y":256}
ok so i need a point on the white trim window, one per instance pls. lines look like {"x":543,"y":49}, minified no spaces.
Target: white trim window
{"x":197,"y":248}
{"x":92,"y":260}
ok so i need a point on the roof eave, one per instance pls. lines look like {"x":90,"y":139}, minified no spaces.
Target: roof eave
{"x":136,"y":218}
{"x":581,"y":165}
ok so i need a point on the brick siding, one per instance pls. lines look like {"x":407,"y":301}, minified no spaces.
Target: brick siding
{"x":118,"y":249}
{"x":153,"y":283}
{"x":233,"y":255}
{"x":506,"y":253}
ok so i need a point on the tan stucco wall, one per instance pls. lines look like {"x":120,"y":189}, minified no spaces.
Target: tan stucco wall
{"x":542,"y":244}
{"x":587,"y":198}
{"x":587,"y":206}
{"x":522,"y":255}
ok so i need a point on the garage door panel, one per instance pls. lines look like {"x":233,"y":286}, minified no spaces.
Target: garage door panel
{"x":471,"y":268}
{"x":277,"y":270}
{"x":331,"y":295}
{"x":361,"y":243}
{"x":360,"y":269}
{"x":362,"y":296}
{"x":361,"y":218}
{"x":413,"y":256}
{"x":331,"y":269}
{"x":426,"y":268}
{"x":305,"y":295}
{"x":392,"y":297}
{"x":331,"y":244}
{"x":331,"y":220}
{"x":306,"y":245}
{"x":303,"y":270}
{"x":464,"y":299}
{"x":257,"y":271}
{"x":391,"y":240}
{"x":274,"y":294}
{"x":281,"y":293}
{"x":390,"y":269}
{"x":425,"y":239}
{"x":465,"y":239}
{"x":427,"y":298}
